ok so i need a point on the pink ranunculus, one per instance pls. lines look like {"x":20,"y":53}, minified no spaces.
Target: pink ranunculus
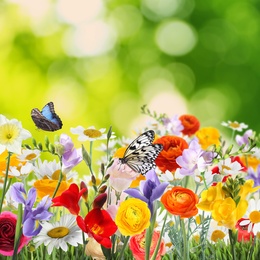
{"x":137,"y":246}
{"x":121,"y":176}
{"x":7,"y":234}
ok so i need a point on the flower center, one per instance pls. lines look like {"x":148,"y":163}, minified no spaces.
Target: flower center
{"x":56,"y":175}
{"x":93,"y":133}
{"x":96,"y":229}
{"x":58,"y":232}
{"x":30,"y":156}
{"x":234,"y":125}
{"x":8,"y":133}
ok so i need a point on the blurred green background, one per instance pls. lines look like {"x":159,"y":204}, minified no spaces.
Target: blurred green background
{"x":99,"y":61}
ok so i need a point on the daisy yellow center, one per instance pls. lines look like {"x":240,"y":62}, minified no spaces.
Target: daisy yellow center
{"x":224,"y":167}
{"x":56,"y":175}
{"x":92,"y":133}
{"x":234,"y":125}
{"x":8,"y":133}
{"x":30,"y":156}
{"x":254,"y":216}
{"x":58,"y":232}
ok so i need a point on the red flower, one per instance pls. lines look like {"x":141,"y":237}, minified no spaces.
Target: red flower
{"x":173,"y":147}
{"x":243,"y":234}
{"x":238,"y":159}
{"x":70,"y":199}
{"x":7,"y":234}
{"x":190,"y":123}
{"x":99,"y":225}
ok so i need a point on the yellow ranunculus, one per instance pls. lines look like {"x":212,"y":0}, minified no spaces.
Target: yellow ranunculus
{"x":208,"y":136}
{"x":209,"y":196}
{"x":47,"y":187}
{"x":226,"y":213}
{"x":133,"y":217}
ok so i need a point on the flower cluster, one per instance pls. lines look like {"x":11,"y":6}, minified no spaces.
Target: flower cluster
{"x":196,"y":191}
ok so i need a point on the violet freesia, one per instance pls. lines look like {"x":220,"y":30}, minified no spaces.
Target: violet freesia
{"x":254,"y":175}
{"x":70,"y":156}
{"x":32,"y":216}
{"x":244,"y":139}
{"x":173,"y":125}
{"x":194,"y":158}
{"x":149,"y":190}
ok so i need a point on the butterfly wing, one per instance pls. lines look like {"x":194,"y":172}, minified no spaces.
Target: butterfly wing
{"x":46,"y":119}
{"x":141,"y":153}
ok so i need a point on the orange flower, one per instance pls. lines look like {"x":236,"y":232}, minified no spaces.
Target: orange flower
{"x":137,"y":246}
{"x":47,"y":187}
{"x":180,"y":201}
{"x":190,"y":123}
{"x":173,"y":147}
{"x":14,"y":161}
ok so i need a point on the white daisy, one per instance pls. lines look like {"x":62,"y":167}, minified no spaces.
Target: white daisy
{"x":11,"y":135}
{"x":235,"y":125}
{"x":29,"y":155}
{"x":228,"y":167}
{"x":89,"y":134}
{"x":59,"y":234}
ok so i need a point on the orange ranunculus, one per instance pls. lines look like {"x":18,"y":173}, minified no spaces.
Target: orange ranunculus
{"x":47,"y":187}
{"x":137,"y":246}
{"x":181,"y":202}
{"x":14,"y":161}
{"x":208,"y":136}
{"x":250,"y":161}
{"x":173,"y":147}
{"x":190,"y":123}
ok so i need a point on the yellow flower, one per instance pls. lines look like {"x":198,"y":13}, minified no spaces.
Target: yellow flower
{"x":208,"y":197}
{"x":247,"y":188}
{"x":47,"y":187}
{"x":13,"y":162}
{"x":217,"y":234}
{"x":135,"y":183}
{"x":226,"y":213}
{"x":250,"y":161}
{"x":208,"y":136}
{"x":133,"y":217}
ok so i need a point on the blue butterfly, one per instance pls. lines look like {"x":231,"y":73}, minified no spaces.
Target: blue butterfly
{"x":46,"y":119}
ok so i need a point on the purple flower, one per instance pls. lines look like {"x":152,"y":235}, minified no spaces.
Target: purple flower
{"x":71,"y":156}
{"x":194,"y":158}
{"x":150,"y":190}
{"x":31,"y":216}
{"x":173,"y":125}
{"x":255,"y":176}
{"x":243,"y":140}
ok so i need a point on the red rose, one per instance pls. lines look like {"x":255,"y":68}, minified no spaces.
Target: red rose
{"x":7,"y":234}
{"x":173,"y":147}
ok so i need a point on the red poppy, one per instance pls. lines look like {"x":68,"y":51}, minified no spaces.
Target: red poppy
{"x":190,"y":123}
{"x":173,"y":147}
{"x":70,"y":199}
{"x":99,"y":225}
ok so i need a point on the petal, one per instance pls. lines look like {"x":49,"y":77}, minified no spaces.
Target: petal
{"x":158,"y":191}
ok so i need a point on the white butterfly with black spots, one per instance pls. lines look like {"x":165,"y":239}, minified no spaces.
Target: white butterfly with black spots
{"x":141,"y":153}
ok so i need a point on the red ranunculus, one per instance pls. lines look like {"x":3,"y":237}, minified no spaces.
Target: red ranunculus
{"x":190,"y":123}
{"x":173,"y":147}
{"x":70,"y":199}
{"x":99,"y":225}
{"x":7,"y":234}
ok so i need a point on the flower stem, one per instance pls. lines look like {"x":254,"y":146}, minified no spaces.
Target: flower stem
{"x":5,"y":180}
{"x":59,"y":181}
{"x":121,"y":256}
{"x":18,"y":230}
{"x":185,"y":241}
{"x":232,"y":243}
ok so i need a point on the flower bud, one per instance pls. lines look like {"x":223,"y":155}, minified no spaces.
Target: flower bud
{"x":85,"y":194}
{"x":102,"y":189}
{"x":99,"y":201}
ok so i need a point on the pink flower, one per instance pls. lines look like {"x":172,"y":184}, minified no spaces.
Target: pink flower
{"x":137,"y":246}
{"x":7,"y":234}
{"x":121,"y":176}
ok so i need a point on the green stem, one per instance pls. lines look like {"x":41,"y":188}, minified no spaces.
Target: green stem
{"x":5,"y":180}
{"x":232,"y":243}
{"x":159,"y":240}
{"x":185,"y":241}
{"x":121,"y":256}
{"x":18,"y":230}
{"x":59,"y":181}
